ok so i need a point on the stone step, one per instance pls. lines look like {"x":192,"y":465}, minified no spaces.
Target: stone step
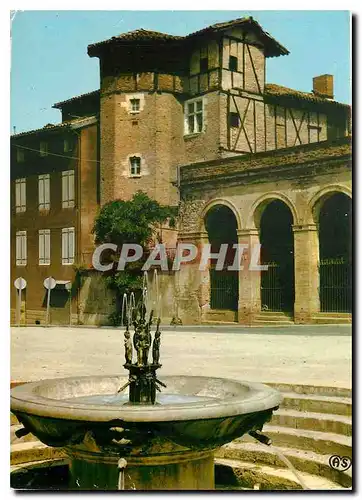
{"x":302,"y":439}
{"x":214,"y":322}
{"x":311,"y":389}
{"x":39,"y":464}
{"x":333,"y":315}
{"x":244,"y":475}
{"x":327,"y":320}
{"x":277,"y":316}
{"x":322,"y":422}
{"x":21,"y":453}
{"x":317,"y":403}
{"x":24,"y":439}
{"x":13,"y":419}
{"x":305,"y":461}
{"x":267,"y":322}
{"x":221,"y":316}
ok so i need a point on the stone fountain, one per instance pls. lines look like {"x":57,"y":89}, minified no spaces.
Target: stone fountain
{"x":143,"y":440}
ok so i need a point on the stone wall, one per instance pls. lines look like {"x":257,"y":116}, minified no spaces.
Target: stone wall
{"x":97,"y":301}
{"x":299,"y":187}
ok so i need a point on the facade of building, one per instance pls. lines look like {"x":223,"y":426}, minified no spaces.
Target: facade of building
{"x":54,"y":199}
{"x":193,"y":122}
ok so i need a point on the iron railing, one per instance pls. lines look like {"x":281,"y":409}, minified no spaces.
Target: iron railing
{"x":224,"y":290}
{"x":335,"y":285}
{"x":277,"y":288}
{"x":271,"y":288}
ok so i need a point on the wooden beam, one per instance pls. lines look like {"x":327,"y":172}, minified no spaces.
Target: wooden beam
{"x":244,"y":62}
{"x":220,"y":62}
{"x":275,"y":127}
{"x":254,"y":111}
{"x":242,"y":120}
{"x":228,"y":122}
{"x":265,"y":142}
{"x":297,"y":129}
{"x":318,"y":131}
{"x":285,"y":128}
{"x":308,"y":125}
{"x":254,"y":71}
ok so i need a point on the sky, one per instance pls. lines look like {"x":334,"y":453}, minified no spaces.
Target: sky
{"x":49,"y":61}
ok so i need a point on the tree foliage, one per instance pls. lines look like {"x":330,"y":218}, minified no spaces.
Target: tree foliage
{"x":130,"y":221}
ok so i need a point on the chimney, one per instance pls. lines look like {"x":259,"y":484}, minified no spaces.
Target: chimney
{"x":323,"y":86}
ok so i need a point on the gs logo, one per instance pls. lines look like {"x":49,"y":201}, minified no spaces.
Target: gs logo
{"x":340,"y":463}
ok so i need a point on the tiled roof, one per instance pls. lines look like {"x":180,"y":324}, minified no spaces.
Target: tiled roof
{"x":79,"y":122}
{"x":271,"y":89}
{"x":272,"y":47}
{"x":75,"y":98}
{"x":139,"y":35}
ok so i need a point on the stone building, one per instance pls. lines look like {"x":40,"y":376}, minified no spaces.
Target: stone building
{"x":193,"y":122}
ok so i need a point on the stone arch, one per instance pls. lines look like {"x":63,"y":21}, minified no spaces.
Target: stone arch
{"x":219,"y":201}
{"x":261,"y":203}
{"x":317,"y":200}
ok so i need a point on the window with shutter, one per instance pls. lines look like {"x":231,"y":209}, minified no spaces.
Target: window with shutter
{"x":20,"y":248}
{"x":68,"y":245}
{"x":44,"y":191}
{"x":68,"y":189}
{"x":20,"y":195}
{"x":44,"y":247}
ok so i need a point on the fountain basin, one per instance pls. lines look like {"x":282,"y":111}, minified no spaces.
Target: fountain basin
{"x":169,"y":445}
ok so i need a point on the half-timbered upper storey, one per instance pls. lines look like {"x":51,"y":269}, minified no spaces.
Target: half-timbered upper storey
{"x":217,"y":76}
{"x":221,"y":57}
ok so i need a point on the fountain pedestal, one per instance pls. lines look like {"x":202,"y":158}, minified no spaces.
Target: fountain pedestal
{"x":188,"y":470}
{"x":142,"y":383}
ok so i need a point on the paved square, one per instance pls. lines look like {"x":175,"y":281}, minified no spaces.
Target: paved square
{"x":312,"y":355}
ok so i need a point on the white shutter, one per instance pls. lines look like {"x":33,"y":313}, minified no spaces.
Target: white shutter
{"x":71,"y":188}
{"x":23,"y":194}
{"x":68,"y":188}
{"x":44,"y":246}
{"x":23,"y":248}
{"x":47,"y":246}
{"x":71,"y":245}
{"x":68,"y":245}
{"x":18,"y":248}
{"x":41,"y":247}
{"x":44,"y":192}
{"x":47,"y":191}
{"x":64,"y":246}
{"x":41,"y":191}
{"x":64,"y":190}
{"x":17,"y":196}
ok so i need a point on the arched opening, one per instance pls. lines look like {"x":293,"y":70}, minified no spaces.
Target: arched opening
{"x":335,"y":254}
{"x":221,"y":226}
{"x":277,"y":251}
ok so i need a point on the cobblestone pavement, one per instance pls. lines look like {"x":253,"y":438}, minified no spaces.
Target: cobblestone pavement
{"x":294,"y":356}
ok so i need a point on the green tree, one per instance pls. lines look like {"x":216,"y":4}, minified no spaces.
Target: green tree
{"x":132,"y":221}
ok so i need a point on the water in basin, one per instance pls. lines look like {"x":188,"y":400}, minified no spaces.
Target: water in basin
{"x":121,"y":399}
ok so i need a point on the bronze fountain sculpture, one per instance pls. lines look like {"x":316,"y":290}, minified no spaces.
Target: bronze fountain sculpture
{"x":142,"y":380}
